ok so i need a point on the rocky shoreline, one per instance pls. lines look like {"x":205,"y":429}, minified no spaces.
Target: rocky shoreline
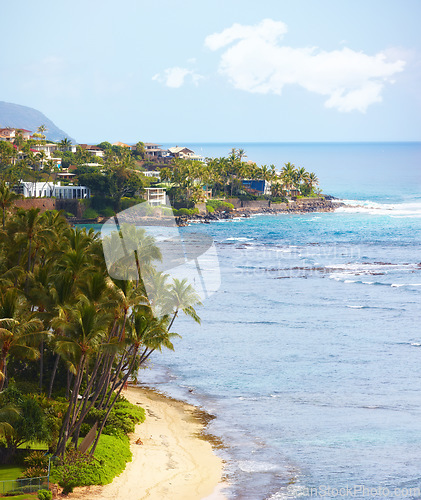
{"x":293,"y":207}
{"x":302,"y":206}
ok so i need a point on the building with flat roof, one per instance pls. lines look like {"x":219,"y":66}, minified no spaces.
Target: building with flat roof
{"x":51,"y":190}
{"x":156,"y":196}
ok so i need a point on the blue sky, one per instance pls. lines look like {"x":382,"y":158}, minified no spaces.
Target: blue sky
{"x":217,"y":71}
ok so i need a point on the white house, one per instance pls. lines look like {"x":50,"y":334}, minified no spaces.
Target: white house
{"x":155,"y":196}
{"x":7,"y":134}
{"x":151,"y":173}
{"x":184,"y":153}
{"x":50,"y":190}
{"x":94,"y":150}
{"x":153,"y":150}
{"x":48,"y":148}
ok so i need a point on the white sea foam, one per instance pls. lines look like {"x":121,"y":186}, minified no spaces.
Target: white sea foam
{"x":403,"y":210}
{"x":398,"y":285}
{"x":254,"y":466}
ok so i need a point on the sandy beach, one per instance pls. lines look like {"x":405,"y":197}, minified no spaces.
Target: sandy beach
{"x":175,"y":461}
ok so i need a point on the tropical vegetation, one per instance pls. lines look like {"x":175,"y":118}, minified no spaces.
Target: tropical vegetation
{"x":119,"y":173}
{"x":77,"y":334}
{"x":187,"y":180}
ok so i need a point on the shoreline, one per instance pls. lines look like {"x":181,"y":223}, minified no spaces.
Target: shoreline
{"x":242,"y":209}
{"x":175,"y":459}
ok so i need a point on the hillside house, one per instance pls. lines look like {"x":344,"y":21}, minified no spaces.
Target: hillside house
{"x":184,"y":153}
{"x":50,"y":190}
{"x":94,"y":150}
{"x":7,"y":134}
{"x":154,"y":150}
{"x":155,"y":196}
{"x":257,"y":186}
{"x":151,"y":173}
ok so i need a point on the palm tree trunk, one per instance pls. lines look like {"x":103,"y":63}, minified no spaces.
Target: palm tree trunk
{"x":69,"y":379}
{"x":172,"y":320}
{"x":53,"y":375}
{"x":41,"y":365}
{"x":111,"y":406}
{"x":3,"y":370}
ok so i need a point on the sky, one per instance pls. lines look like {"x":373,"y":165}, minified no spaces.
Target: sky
{"x":217,"y":71}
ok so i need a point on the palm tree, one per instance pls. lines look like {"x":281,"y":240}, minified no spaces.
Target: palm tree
{"x":41,"y":129}
{"x":7,"y":197}
{"x":85,"y":331}
{"x":312,"y":180}
{"x":146,"y":335}
{"x":65,"y":144}
{"x":8,"y":413}
{"x":277,"y":189}
{"x":40,"y":158}
{"x":19,"y":332}
{"x":241,"y":154}
{"x":288,"y":175}
{"x":182,"y":297}
{"x":29,"y":226}
{"x":301,"y":175}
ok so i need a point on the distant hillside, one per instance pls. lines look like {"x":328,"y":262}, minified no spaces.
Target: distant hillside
{"x":17,"y":116}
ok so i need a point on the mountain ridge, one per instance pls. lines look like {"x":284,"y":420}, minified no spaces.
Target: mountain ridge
{"x":18,"y":116}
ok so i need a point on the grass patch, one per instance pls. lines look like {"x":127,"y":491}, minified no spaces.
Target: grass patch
{"x":111,"y":456}
{"x":34,"y":445}
{"x":25,"y":496}
{"x":10,"y":472}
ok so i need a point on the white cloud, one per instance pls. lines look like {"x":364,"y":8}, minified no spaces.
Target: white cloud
{"x":267,"y":30}
{"x":175,"y":77}
{"x":255,"y":61}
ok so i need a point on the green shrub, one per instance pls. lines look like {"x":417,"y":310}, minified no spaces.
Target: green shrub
{"x":122,"y":419}
{"x":71,"y":471}
{"x":107,"y":212}
{"x":36,"y":459}
{"x":186,"y":212}
{"x":26,"y":387}
{"x":219,"y":205}
{"x":99,"y":203}
{"x":77,"y":469}
{"x":54,"y":411}
{"x":90,"y":213}
{"x":279,"y":199}
{"x":227,"y":206}
{"x":210,"y":209}
{"x":45,"y":495}
{"x":130,"y":202}
{"x":37,"y":471}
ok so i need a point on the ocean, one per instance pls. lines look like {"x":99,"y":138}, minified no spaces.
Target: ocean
{"x":309,"y":354}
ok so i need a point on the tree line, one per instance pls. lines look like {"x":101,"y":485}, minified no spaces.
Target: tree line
{"x":223,"y":177}
{"x":65,"y":325}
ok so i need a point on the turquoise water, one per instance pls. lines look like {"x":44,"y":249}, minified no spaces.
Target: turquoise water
{"x":310,"y":353}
